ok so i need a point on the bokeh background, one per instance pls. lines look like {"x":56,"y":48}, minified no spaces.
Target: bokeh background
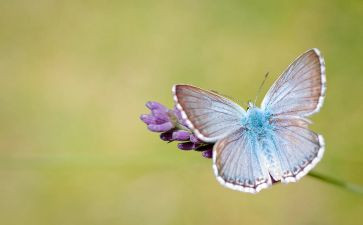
{"x":74,"y":78}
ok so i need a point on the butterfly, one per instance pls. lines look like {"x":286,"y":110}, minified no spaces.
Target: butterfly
{"x":264,"y":144}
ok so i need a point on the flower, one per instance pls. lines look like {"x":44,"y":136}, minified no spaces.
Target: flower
{"x":181,"y":135}
{"x":159,"y":120}
{"x":172,"y":127}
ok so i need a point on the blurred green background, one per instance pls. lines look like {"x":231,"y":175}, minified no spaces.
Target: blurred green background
{"x":74,"y":78}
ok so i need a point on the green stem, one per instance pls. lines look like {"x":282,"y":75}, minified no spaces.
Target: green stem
{"x":348,"y":186}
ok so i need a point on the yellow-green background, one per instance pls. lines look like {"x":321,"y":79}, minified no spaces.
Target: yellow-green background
{"x":74,"y":78}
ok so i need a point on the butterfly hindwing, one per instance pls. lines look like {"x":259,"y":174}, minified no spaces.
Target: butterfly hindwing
{"x":238,"y":164}
{"x":294,"y":148}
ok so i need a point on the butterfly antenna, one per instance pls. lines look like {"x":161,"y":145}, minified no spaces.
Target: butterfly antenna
{"x":245,"y":104}
{"x":260,"y":88}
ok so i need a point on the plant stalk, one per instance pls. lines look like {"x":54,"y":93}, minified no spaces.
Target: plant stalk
{"x":339,"y":183}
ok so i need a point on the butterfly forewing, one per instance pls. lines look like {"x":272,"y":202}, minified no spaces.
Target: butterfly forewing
{"x":210,"y":115}
{"x":300,"y":89}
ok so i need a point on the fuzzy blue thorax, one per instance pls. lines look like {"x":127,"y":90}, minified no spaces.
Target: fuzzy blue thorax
{"x":257,"y":122}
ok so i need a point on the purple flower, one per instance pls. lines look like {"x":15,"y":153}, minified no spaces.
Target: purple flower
{"x":188,"y":146}
{"x":208,"y":153}
{"x":181,"y":135}
{"x":160,"y":127}
{"x":207,"y":150}
{"x":167,"y":136}
{"x":194,"y":139}
{"x":172,"y":127}
{"x":160,"y":119}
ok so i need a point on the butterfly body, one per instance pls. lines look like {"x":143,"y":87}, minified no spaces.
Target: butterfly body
{"x":254,"y":147}
{"x":257,"y":122}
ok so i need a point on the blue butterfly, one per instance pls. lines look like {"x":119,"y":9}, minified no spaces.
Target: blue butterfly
{"x":253,"y":148}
